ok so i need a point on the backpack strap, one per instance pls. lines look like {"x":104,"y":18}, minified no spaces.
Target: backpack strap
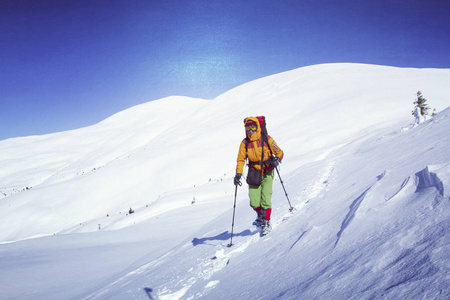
{"x":265,"y":139}
{"x":261,"y":163}
{"x":262,"y":155}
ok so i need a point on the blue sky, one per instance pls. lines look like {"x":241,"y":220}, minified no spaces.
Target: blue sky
{"x":70,"y":64}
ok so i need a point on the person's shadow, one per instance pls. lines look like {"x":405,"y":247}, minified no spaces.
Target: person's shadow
{"x":226,"y":235}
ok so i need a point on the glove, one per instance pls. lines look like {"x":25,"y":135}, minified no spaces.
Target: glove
{"x":274,"y":161}
{"x":237,"y":179}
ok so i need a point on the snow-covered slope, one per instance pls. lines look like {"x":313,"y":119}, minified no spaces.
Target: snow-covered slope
{"x":372,"y":222}
{"x":371,"y":196}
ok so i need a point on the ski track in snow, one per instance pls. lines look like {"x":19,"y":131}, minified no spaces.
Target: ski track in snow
{"x":315,"y":188}
{"x":213,"y":255}
{"x":219,"y":260}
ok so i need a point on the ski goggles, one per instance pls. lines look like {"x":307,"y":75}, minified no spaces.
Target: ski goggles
{"x":250,"y":127}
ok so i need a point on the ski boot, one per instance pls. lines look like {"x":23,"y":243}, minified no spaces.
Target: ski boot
{"x":259,"y":219}
{"x":265,"y":227}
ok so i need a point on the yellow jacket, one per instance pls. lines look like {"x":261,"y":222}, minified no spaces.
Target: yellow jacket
{"x":253,"y":150}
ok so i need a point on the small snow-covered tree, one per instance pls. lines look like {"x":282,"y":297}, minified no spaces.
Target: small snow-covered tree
{"x":420,"y":102}
{"x":417,"y":116}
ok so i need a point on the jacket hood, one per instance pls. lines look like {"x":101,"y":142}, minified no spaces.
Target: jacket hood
{"x":257,"y":134}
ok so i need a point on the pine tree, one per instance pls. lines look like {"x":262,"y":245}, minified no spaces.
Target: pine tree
{"x":421,"y":103}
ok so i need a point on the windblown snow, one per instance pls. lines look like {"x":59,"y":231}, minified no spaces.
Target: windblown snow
{"x":370,"y":192}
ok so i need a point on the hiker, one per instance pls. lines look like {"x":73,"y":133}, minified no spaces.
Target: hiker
{"x":259,"y":181}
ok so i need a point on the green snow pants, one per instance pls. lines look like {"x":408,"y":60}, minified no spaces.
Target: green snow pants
{"x":262,"y":195}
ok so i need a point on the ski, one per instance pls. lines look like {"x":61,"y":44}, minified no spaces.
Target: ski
{"x":265,"y":231}
{"x":257,"y":223}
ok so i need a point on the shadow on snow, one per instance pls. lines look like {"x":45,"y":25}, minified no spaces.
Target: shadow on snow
{"x":226,"y":235}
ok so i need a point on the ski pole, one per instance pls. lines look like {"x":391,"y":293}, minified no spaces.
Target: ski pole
{"x":281,"y":180}
{"x":232,"y":223}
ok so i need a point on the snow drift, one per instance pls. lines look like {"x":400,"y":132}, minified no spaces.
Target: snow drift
{"x":371,"y":194}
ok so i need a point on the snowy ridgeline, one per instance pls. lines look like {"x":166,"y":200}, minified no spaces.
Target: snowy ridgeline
{"x":371,"y":199}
